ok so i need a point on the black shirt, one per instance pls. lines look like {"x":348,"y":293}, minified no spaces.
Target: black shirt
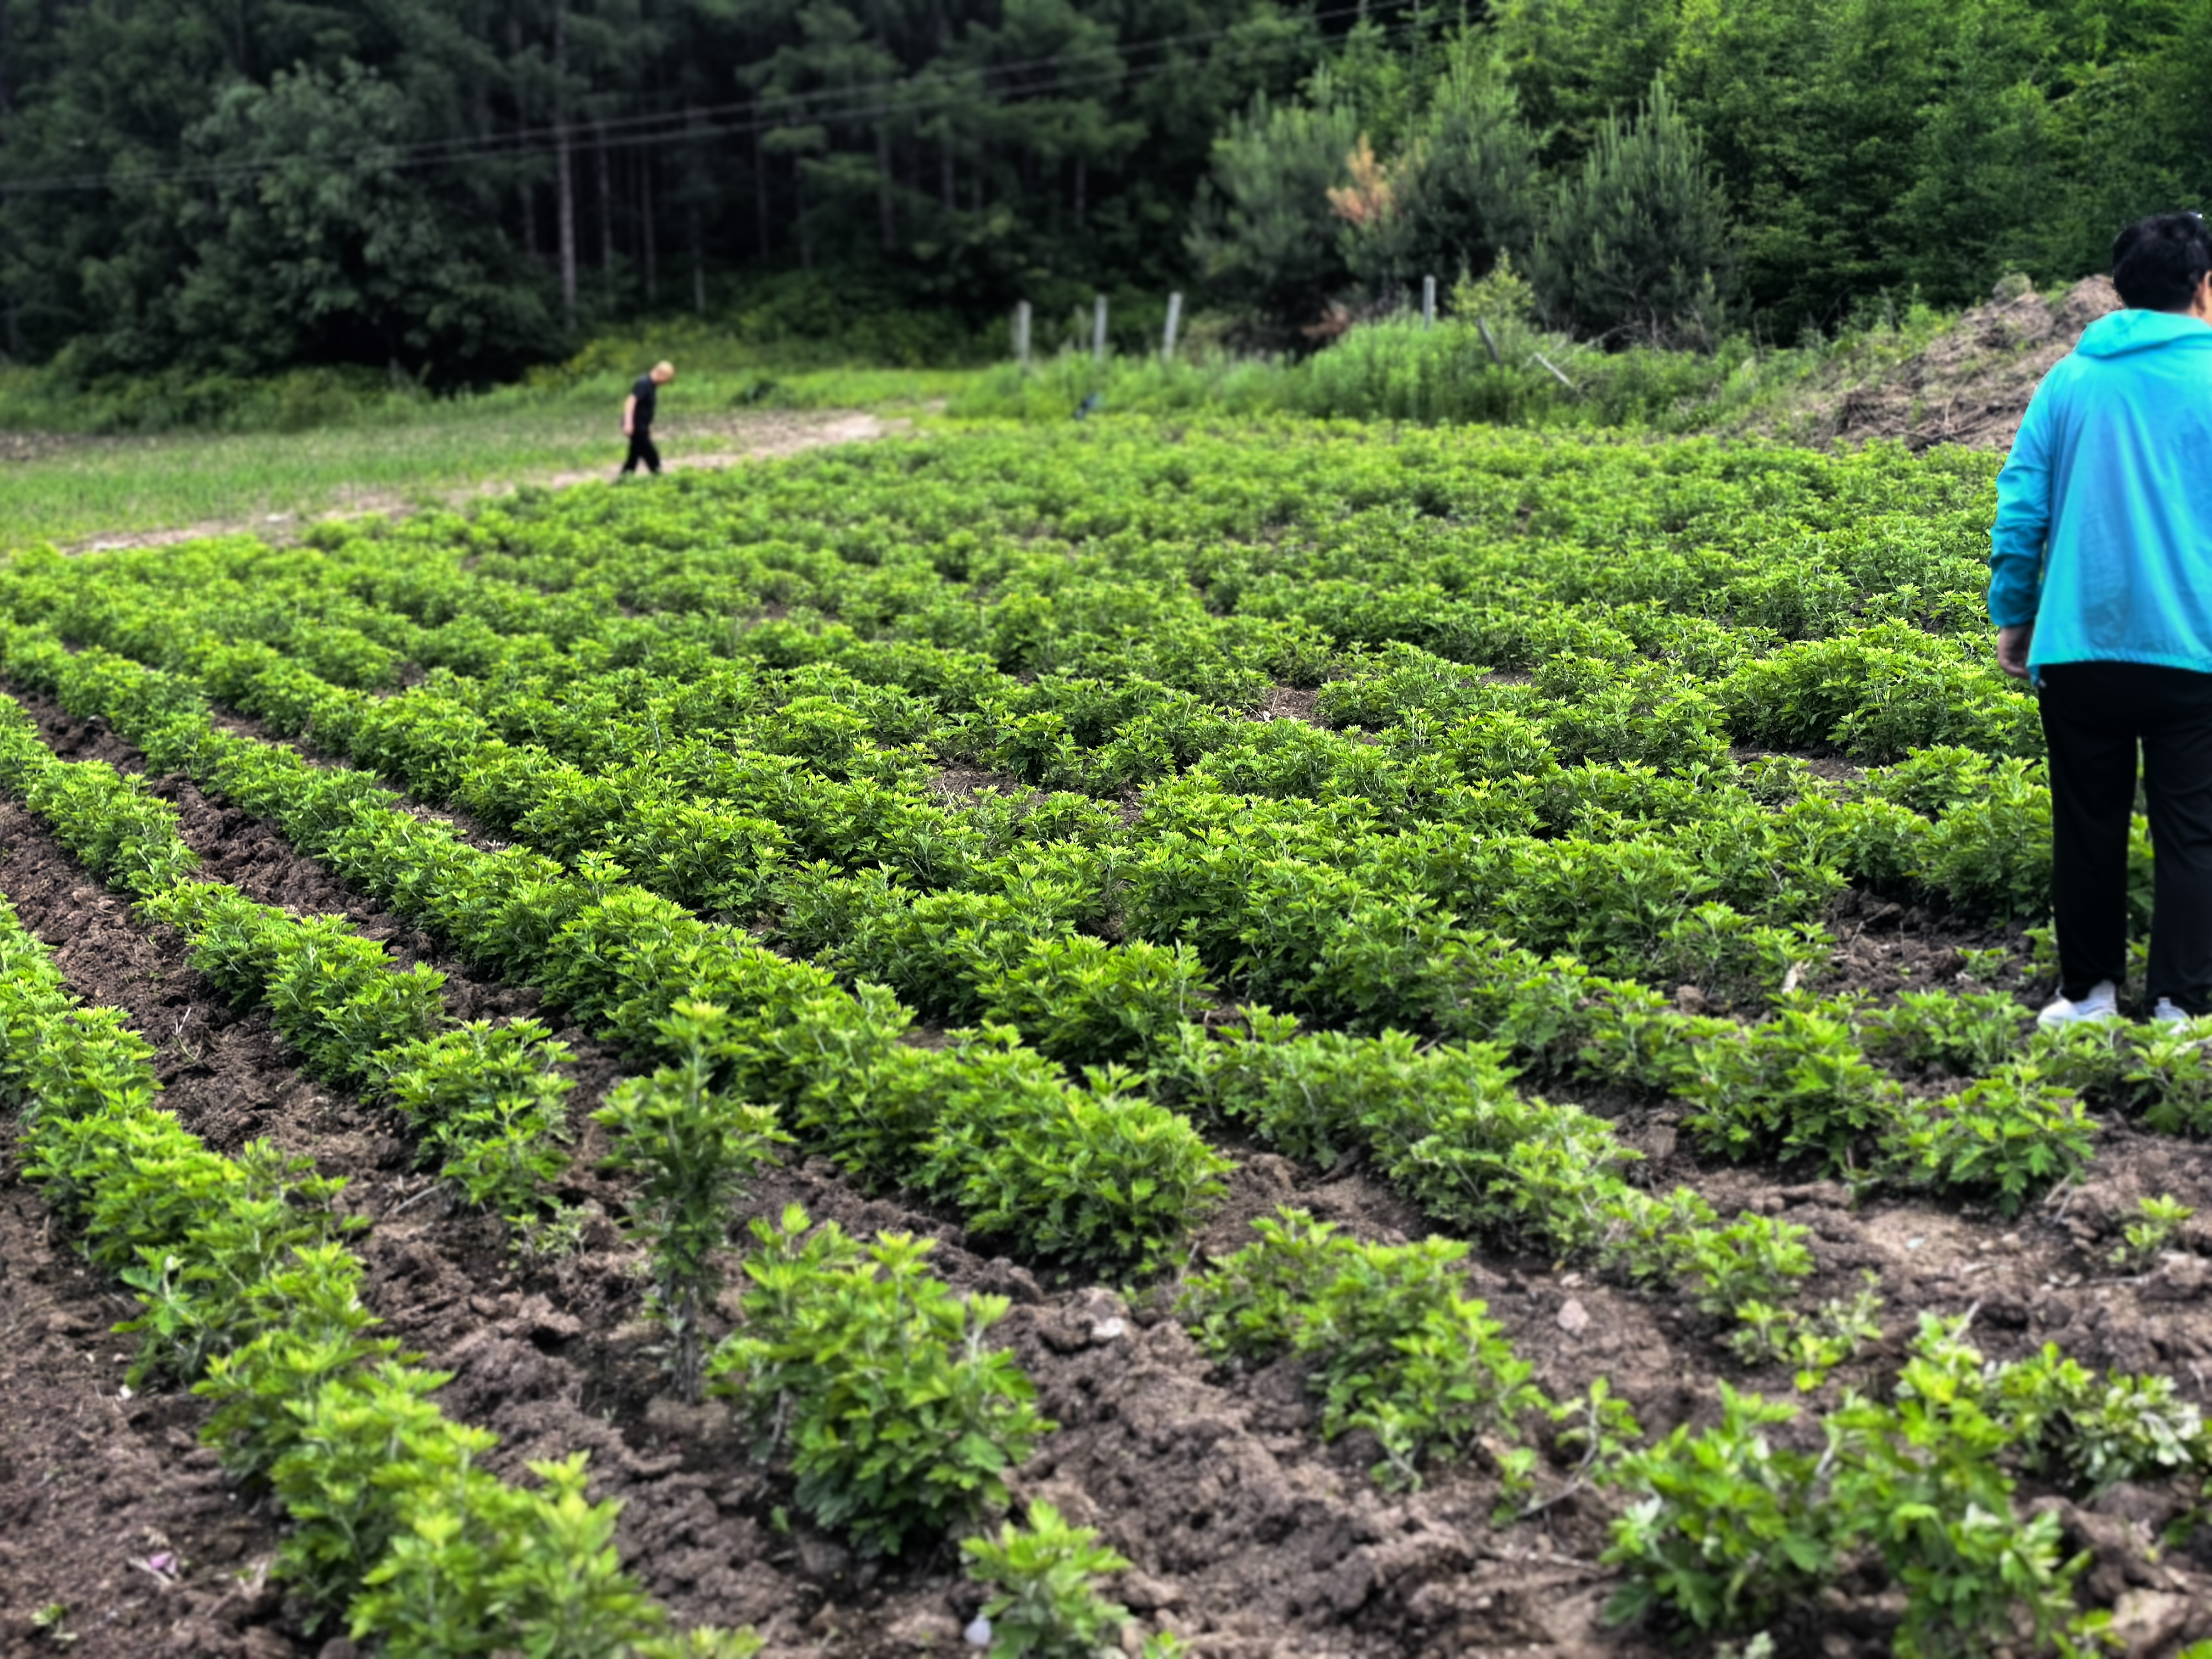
{"x":646,"y":391}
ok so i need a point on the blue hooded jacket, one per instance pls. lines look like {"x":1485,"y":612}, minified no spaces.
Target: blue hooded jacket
{"x":2104,"y":529}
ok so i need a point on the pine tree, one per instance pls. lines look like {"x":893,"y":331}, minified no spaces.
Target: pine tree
{"x":1639,"y":244}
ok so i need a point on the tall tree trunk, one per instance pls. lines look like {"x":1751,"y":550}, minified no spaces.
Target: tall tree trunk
{"x":884,"y":188}
{"x":1082,"y":178}
{"x":647,"y":243}
{"x":527,"y":187}
{"x":698,"y":264}
{"x":760,"y":192}
{"x":806,"y":231}
{"x":606,"y":220}
{"x":566,"y":184}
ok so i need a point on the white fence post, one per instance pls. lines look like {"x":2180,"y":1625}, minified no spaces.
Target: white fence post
{"x":1098,"y":329}
{"x":1428,"y":302}
{"x":1175,"y":322}
{"x":1022,"y":333}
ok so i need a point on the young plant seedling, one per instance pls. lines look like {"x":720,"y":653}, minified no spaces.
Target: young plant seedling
{"x":693,"y":1150}
{"x":2142,"y":1241}
{"x":1046,"y":1605}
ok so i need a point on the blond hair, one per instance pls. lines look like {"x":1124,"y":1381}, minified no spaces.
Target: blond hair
{"x":663,"y":366}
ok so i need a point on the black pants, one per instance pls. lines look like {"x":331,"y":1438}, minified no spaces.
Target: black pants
{"x":642,"y":449}
{"x":2094,"y":715}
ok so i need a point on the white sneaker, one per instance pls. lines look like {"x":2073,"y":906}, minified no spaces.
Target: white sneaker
{"x":2166,"y":1014}
{"x":2101,"y":1004}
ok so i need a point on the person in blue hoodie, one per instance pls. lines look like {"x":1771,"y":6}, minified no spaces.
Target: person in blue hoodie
{"x":2101,"y":585}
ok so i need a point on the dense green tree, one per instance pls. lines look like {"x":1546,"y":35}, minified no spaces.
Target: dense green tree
{"x":1466,"y":187}
{"x":454,"y":185}
{"x":1639,"y":245}
{"x":312,"y":239}
{"x":1265,"y":237}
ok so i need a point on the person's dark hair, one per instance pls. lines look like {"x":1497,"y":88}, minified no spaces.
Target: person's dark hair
{"x":2159,"y":263}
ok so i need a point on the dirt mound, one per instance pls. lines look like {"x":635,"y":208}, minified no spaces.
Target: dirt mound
{"x":1972,"y":384}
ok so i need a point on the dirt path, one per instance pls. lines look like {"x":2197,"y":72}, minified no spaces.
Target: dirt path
{"x":695,"y":445}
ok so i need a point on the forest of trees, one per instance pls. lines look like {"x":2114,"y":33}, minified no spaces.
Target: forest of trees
{"x":456,"y":188}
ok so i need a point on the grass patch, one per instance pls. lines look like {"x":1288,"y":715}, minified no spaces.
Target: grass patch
{"x":401,"y":452}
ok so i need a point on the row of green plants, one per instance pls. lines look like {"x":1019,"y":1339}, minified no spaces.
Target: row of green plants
{"x":1222,"y":568}
{"x":1742,"y":1526}
{"x":1708,"y":882}
{"x":248,"y":1291}
{"x":1445,"y":1124}
{"x":1376,"y":959}
{"x":857,"y":1367}
{"x":484,"y":1100}
{"x":855,"y":1362}
{"x":1090,"y":1175}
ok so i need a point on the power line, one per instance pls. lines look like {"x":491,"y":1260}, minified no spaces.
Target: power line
{"x":685,"y":125}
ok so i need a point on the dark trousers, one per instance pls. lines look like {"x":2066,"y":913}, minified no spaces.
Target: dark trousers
{"x":2094,"y":713}
{"x":642,"y":449}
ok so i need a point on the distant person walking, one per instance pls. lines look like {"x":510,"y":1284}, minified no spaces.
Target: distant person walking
{"x":2100,"y":584}
{"x":638,"y":409}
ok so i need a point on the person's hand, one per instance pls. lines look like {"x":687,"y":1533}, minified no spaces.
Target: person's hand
{"x":2012,"y":649}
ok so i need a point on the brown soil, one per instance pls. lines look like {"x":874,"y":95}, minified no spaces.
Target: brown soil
{"x":1249,"y":1535}
{"x":1971,"y":385}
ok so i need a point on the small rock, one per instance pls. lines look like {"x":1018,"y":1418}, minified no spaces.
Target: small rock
{"x":1109,"y":1330}
{"x":1690,"y":999}
{"x":1574,"y":1319}
{"x":1142,"y":1593}
{"x":679,"y":1420}
{"x":928,"y":1630}
{"x":2178,"y":1278}
{"x":2146,"y":1621}
{"x":338,"y":1647}
{"x":978,"y":1633}
{"x":263,"y":1643}
{"x":822,"y":1559}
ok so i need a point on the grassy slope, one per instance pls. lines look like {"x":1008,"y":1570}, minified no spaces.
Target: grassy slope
{"x":72,"y":490}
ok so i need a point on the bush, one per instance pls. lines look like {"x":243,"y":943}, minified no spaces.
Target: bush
{"x":2007,"y":1137}
{"x":694,"y":1151}
{"x":485,"y":1104}
{"x":1726,"y":1531}
{"x":1043,"y":1605}
{"x":1394,"y":1348}
{"x":1083,"y":1001}
{"x":859,"y":1361}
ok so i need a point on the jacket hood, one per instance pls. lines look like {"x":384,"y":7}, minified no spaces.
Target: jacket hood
{"x":2124,"y":332}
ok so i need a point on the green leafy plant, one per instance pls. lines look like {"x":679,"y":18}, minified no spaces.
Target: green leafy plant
{"x":1394,"y":1348}
{"x":2142,"y":1241}
{"x":693,"y":1151}
{"x":860,"y":1365}
{"x":1814,"y":1343}
{"x":1044,"y":1604}
{"x":2009,"y":1136}
{"x":1723,"y":1531}
{"x":486,"y":1102}
{"x":1971,"y":1034}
